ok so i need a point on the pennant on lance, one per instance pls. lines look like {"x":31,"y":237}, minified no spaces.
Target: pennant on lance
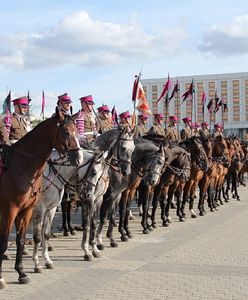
{"x":165,"y":90}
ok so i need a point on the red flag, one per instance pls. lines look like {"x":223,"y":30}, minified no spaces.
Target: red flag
{"x":114,"y":116}
{"x":166,"y":88}
{"x":188,"y":93}
{"x":175,"y":90}
{"x":135,"y":87}
{"x":7,"y":103}
{"x":209,"y":106}
{"x":43,"y":103}
{"x":142,"y":105}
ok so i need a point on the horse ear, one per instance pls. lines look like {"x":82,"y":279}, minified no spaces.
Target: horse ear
{"x":59,"y":114}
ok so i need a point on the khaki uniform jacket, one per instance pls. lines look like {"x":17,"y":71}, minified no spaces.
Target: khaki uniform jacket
{"x":205,"y":133}
{"x":171,"y":133}
{"x":141,"y":129}
{"x":216,"y":133}
{"x":157,"y":129}
{"x":18,"y":127}
{"x":4,"y":138}
{"x":103,"y":125}
{"x":185,"y":133}
{"x":89,"y":127}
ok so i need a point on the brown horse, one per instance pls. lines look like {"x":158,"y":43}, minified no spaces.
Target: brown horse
{"x":20,"y":183}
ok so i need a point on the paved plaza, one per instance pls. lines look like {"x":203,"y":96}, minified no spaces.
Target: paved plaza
{"x":203,"y":258}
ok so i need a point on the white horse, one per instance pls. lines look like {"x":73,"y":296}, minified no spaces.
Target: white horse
{"x":57,"y":173}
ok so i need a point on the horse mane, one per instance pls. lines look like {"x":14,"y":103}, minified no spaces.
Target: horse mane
{"x":106,"y":138}
{"x":144,"y":148}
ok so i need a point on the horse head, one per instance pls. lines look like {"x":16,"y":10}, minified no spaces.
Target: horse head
{"x":157,"y":163}
{"x":123,"y":150}
{"x":198,"y":154}
{"x":64,"y":137}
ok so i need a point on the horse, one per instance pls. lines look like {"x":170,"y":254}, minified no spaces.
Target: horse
{"x":20,"y":183}
{"x":174,"y":153}
{"x":199,"y":165}
{"x":173,"y":180}
{"x":148,"y":161}
{"x":119,"y":171}
{"x":57,"y":174}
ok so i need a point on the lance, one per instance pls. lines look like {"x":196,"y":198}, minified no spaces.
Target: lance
{"x":177,"y":105}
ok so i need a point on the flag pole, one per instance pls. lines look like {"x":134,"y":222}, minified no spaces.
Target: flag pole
{"x":177,"y":109}
{"x":191,"y":106}
{"x":222,"y":112}
{"x":166,"y":109}
{"x":195,"y":104}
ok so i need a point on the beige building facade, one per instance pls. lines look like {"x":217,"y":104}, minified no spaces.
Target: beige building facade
{"x":231,"y":88}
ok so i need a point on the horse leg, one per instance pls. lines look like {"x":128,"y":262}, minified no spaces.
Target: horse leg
{"x":38,"y":217}
{"x":115,"y":201}
{"x":144,"y":194}
{"x":122,"y":214}
{"x":46,"y":232}
{"x":191,"y":200}
{"x":155,"y":199}
{"x":64,"y":205}
{"x":6,"y":224}
{"x":235,"y":186}
{"x":178,"y":195}
{"x":22,"y":220}
{"x":86,"y":209}
{"x":68,"y":217}
{"x":95,"y":251}
{"x":126,"y":219}
{"x":167,"y":218}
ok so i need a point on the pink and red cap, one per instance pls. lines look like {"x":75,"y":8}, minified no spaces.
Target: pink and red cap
{"x":103,"y":108}
{"x":204,"y":124}
{"x":125,"y":114}
{"x":23,"y":101}
{"x":159,"y":116}
{"x":143,"y":117}
{"x":87,"y":99}
{"x":65,"y":98}
{"x":186,"y":119}
{"x":173,"y":118}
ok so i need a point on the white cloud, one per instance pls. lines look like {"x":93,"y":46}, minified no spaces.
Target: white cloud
{"x":227,"y":39}
{"x":78,"y":39}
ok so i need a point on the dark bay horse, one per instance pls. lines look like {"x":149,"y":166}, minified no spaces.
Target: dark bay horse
{"x":20,"y":183}
{"x":148,"y":161}
{"x":119,"y":171}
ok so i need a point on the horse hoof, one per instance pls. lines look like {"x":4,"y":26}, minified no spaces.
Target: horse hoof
{"x":132,"y":217}
{"x":201,"y":214}
{"x":146,"y":231}
{"x":124,"y":238}
{"x":130,"y":236}
{"x":38,"y":269}
{"x":73,"y":232}
{"x":150,"y":228}
{"x":154,"y":225}
{"x":238,"y":199}
{"x":100,"y":247}
{"x":49,"y":266}
{"x":24,"y":279}
{"x":182,"y":219}
{"x":226,"y":200}
{"x":114,"y":244}
{"x":193,"y":216}
{"x":96,"y":254}
{"x":221,"y":202}
{"x":66,"y":233}
{"x":140,"y":214}
{"x":6,"y":256}
{"x":212,"y":209}
{"x":166,"y":224}
{"x":3,"y":285}
{"x":88,"y":257}
{"x":50,"y":248}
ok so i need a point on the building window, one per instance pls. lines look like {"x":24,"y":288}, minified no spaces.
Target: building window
{"x":235,"y":83}
{"x":211,"y":85}
{"x":199,"y":85}
{"x":154,"y":88}
{"x":223,"y":84}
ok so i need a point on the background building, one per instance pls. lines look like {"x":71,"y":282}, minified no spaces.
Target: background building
{"x":232,"y":88}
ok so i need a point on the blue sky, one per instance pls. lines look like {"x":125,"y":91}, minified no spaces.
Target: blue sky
{"x":96,"y":47}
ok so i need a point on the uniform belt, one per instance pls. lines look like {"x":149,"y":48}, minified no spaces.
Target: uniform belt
{"x":88,"y":133}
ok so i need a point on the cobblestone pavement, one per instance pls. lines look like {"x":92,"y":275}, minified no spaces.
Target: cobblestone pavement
{"x":203,"y":258}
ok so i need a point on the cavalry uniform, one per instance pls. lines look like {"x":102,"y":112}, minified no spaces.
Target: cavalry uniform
{"x":141,"y":128}
{"x":186,"y":131}
{"x":4,"y":138}
{"x":171,"y":131}
{"x":157,"y":127}
{"x":125,"y":120}
{"x":217,"y":130}
{"x":85,"y":122}
{"x":205,"y":132}
{"x":19,"y":127}
{"x":104,"y":119}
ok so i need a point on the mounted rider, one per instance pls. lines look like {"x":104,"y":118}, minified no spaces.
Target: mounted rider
{"x":19,"y":123}
{"x":157,"y":128}
{"x":125,"y":120}
{"x":218,"y":130}
{"x":205,"y":132}
{"x":171,"y":131}
{"x":85,"y":122}
{"x":104,"y":119}
{"x":64,"y":104}
{"x":195,"y":126}
{"x":142,"y":125}
{"x":186,"y":131}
